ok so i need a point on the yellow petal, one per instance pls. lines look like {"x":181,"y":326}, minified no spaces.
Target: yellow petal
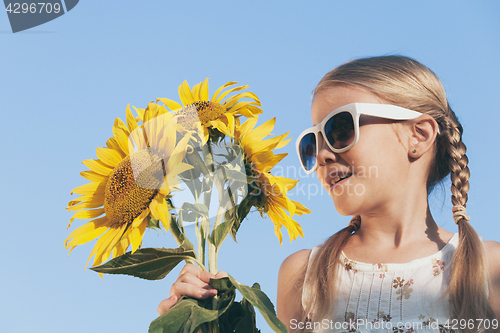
{"x":93,"y":176}
{"x":172,"y":105}
{"x":90,"y":197}
{"x":276,"y":218}
{"x":114,"y":241}
{"x":136,"y":235}
{"x":94,"y":203}
{"x":108,"y":156}
{"x":216,"y":94}
{"x":253,"y":110}
{"x":150,"y":129}
{"x":179,"y":168}
{"x":101,"y":251}
{"x":266,"y":160}
{"x":87,"y":237}
{"x":131,"y":123}
{"x":301,"y":209}
{"x":139,"y":219}
{"x":169,"y":136}
{"x":262,"y":131}
{"x":160,"y":211}
{"x":239,"y":96}
{"x":286,"y":184}
{"x":86,"y":214}
{"x":98,"y":244}
{"x":135,"y":131}
{"x":121,"y":133}
{"x":98,"y":166}
{"x":122,"y":245}
{"x":90,"y":188}
{"x":179,"y":152}
{"x":225,"y":93}
{"x":219,"y":125}
{"x":230,"y":122}
{"x":247,"y":126}
{"x":196,"y":92}
{"x":140,"y":113}
{"x":282,"y":142}
{"x":186,"y":94}
{"x":87,"y":227}
{"x":203,"y":94}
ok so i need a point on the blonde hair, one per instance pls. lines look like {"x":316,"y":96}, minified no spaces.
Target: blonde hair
{"x":407,"y":83}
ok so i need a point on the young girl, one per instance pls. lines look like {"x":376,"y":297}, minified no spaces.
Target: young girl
{"x":384,"y":135}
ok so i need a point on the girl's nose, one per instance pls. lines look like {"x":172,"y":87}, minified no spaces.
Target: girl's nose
{"x":325,"y":154}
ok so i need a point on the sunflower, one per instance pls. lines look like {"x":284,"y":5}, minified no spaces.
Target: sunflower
{"x":131,"y":180}
{"x":271,"y":195}
{"x":211,"y":117}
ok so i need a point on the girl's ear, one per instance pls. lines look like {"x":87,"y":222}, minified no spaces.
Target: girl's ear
{"x":423,"y":133}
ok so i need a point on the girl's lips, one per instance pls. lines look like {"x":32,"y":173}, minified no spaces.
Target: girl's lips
{"x":339,"y":179}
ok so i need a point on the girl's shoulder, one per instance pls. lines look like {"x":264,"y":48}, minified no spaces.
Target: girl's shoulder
{"x":290,"y":282}
{"x":297,"y":259}
{"x":492,"y":247}
{"x":492,"y":250}
{"x":293,"y":268}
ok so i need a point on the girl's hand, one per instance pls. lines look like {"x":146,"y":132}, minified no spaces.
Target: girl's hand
{"x":192,"y":282}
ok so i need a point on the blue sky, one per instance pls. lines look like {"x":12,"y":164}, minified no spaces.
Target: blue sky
{"x":63,"y":84}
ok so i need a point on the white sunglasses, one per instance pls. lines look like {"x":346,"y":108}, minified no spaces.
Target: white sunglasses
{"x":340,"y":129}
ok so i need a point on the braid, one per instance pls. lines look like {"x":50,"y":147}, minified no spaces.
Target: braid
{"x":324,"y":269}
{"x":458,"y":165}
{"x":468,"y":286}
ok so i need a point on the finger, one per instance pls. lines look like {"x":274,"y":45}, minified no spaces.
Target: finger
{"x":166,"y":304}
{"x":221,"y":274}
{"x":187,"y":289}
{"x":199,"y":281}
{"x":196,"y":271}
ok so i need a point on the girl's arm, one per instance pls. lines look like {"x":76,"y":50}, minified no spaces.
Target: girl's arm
{"x":290,"y":281}
{"x":493,"y":255}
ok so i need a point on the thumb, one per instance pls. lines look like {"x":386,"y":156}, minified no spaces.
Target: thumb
{"x":166,"y":304}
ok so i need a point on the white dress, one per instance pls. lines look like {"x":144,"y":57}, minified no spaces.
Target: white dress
{"x":408,"y":297}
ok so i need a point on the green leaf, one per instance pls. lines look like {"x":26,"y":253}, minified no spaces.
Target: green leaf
{"x":260,"y":300}
{"x":153,"y":223}
{"x":191,"y":211}
{"x":239,"y":318}
{"x":247,"y":324}
{"x":185,"y":317}
{"x":186,"y":244}
{"x":148,"y":263}
{"x":237,"y":215}
{"x":188,"y":313}
{"x":220,"y":233}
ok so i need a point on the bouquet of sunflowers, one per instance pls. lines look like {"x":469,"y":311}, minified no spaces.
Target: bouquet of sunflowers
{"x":201,"y":146}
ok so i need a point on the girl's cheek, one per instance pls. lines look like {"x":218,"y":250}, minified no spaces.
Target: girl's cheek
{"x":320,"y":173}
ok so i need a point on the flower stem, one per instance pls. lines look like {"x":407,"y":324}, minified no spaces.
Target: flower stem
{"x":174,"y":229}
{"x":213,"y":250}
{"x":178,"y":236}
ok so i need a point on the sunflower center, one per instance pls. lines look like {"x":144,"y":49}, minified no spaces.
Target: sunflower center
{"x":132,"y":185}
{"x":201,"y":111}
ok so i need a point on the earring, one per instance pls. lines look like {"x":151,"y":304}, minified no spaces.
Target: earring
{"x":414,"y":151}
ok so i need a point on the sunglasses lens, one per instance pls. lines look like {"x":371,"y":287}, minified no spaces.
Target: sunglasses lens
{"x":307,"y":150}
{"x":339,"y":130}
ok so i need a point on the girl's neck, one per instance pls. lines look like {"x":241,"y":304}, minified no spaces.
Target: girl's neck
{"x":396,"y":238}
